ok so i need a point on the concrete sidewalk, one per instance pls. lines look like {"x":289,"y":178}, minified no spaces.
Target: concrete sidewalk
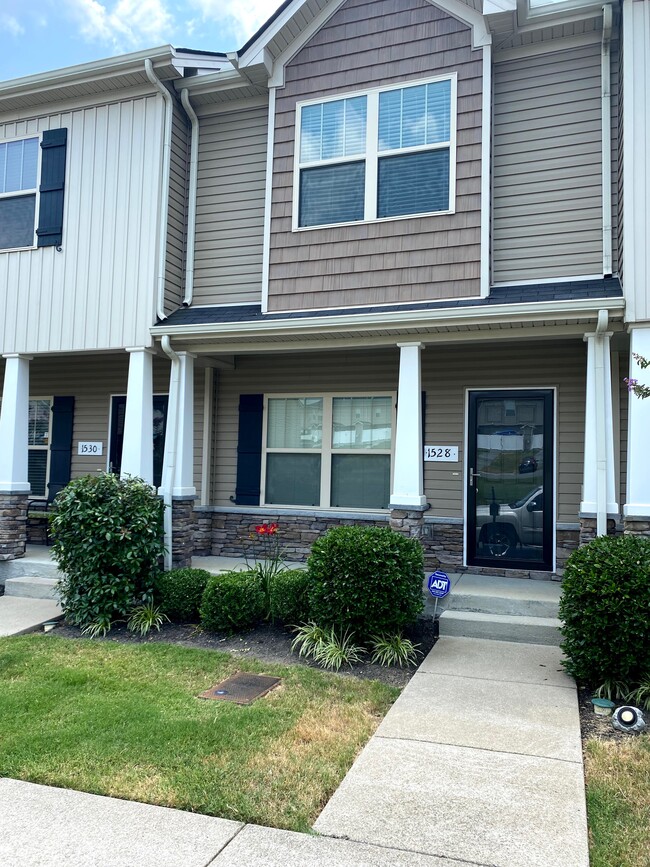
{"x":477,"y":763}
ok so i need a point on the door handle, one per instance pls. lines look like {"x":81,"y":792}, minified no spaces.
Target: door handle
{"x":472,"y":476}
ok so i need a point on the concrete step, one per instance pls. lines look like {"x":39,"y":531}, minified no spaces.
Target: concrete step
{"x":36,"y":562}
{"x":501,"y":627}
{"x":32,"y":587}
{"x":519,"y":597}
{"x":19,"y":614}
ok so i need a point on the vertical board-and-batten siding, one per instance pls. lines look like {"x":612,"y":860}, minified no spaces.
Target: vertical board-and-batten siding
{"x":547,"y":157}
{"x":230,"y":206}
{"x":446,"y":370}
{"x":92,"y":380}
{"x":99,"y":291}
{"x":366,"y":44}
{"x":177,"y":211}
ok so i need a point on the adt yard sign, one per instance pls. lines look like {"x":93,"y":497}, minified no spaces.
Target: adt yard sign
{"x":439,"y":585}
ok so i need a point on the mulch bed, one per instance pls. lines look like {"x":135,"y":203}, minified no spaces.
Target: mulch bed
{"x":599,"y":727}
{"x":266,"y":643}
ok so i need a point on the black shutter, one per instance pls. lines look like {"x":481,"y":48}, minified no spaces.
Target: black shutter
{"x":249,"y":450}
{"x":50,"y":215}
{"x":61,"y":445}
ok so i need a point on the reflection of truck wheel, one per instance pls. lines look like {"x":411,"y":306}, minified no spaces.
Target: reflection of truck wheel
{"x":498,"y":539}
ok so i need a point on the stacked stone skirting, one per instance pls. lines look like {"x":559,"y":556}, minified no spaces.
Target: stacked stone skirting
{"x":588,"y":529}
{"x":13,"y":525}
{"x":183,"y":530}
{"x":636,"y":526}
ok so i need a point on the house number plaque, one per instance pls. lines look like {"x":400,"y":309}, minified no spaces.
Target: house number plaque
{"x":90,"y":448}
{"x":441,"y":453}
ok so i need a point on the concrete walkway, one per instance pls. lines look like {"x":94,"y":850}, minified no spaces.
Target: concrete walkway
{"x":477,"y":763}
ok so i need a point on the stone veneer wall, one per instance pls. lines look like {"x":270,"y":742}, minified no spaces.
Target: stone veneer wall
{"x":636,"y":526}
{"x":13,"y":525}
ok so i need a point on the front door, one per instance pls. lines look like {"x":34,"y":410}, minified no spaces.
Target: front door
{"x":510,"y":479}
{"x":118,"y":412}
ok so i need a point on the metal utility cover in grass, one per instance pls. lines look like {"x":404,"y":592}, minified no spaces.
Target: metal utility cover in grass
{"x":241,"y":688}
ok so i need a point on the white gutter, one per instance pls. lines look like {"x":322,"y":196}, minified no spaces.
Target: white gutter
{"x":164,"y":191}
{"x":171,"y":436}
{"x":600,"y":384}
{"x":191,"y":204}
{"x":606,"y":115}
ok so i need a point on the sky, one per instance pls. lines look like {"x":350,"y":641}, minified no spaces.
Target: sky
{"x":48,"y":34}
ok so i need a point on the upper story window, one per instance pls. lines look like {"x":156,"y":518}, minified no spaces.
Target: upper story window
{"x":18,"y":178}
{"x":383,"y":154}
{"x":32,"y":182}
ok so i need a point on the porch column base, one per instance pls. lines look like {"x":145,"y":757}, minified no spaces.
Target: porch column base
{"x":588,"y":529}
{"x":636,"y":526}
{"x":13,"y":525}
{"x":408,"y":520}
{"x":183,"y":527}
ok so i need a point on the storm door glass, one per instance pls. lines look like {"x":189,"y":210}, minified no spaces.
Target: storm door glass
{"x":509,"y":479}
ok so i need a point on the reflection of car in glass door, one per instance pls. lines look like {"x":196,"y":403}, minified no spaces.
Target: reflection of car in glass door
{"x":502,"y":527}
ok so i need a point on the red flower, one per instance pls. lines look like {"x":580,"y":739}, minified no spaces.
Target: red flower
{"x":261,"y":529}
{"x":272,"y":529}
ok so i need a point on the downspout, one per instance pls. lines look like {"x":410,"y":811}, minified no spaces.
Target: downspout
{"x":606,"y":115}
{"x":601,"y":424}
{"x":191,"y":204}
{"x":169,"y":466}
{"x":164,"y":193}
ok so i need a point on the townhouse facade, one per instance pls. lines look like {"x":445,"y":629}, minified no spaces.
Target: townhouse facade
{"x":385,"y":264}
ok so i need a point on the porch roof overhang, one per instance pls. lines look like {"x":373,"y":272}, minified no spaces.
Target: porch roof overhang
{"x":467,"y":321}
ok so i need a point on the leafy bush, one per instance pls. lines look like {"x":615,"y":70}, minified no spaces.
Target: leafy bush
{"x":288,"y":600}
{"x":179,"y":593}
{"x":232,"y":601}
{"x":365,"y":579}
{"x":605,"y":608}
{"x":107,"y":540}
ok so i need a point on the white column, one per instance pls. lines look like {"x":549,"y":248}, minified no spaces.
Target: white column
{"x":599,"y":483}
{"x":137,"y":451}
{"x":184,"y":473}
{"x":408,"y":475}
{"x":638,"y":433}
{"x":14,"y":422}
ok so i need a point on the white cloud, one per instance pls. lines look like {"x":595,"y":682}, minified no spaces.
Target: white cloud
{"x":245,"y":16}
{"x":11,"y":24}
{"x":124,"y":23}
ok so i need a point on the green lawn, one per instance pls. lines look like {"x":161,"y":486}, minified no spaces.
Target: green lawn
{"x":124,"y":720}
{"x":618,"y":802}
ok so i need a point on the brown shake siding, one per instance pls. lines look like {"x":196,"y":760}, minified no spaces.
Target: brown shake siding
{"x":366,"y":44}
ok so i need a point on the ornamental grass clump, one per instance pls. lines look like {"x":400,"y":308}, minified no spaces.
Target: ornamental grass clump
{"x":107,"y":541}
{"x":605,"y":609}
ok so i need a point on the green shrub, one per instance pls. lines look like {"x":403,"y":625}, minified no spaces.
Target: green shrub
{"x":605,"y":609}
{"x":179,"y":593}
{"x":107,"y":541}
{"x":365,"y":579}
{"x":232,"y":601}
{"x":288,"y":600}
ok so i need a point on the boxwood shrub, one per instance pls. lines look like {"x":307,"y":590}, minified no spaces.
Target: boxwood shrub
{"x":605,"y":609}
{"x":288,"y":601}
{"x":232,"y":601}
{"x":365,"y":579}
{"x":179,"y":593}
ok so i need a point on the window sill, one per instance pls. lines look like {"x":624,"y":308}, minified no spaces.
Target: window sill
{"x":296,"y":228}
{"x":17,"y":249}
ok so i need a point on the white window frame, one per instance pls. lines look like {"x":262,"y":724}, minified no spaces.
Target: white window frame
{"x":326,"y":451}
{"x":41,"y":448}
{"x":15,"y":194}
{"x":372,"y":155}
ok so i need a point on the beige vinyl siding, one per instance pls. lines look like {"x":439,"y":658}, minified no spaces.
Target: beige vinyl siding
{"x":99,"y":291}
{"x":230,"y":207}
{"x":619,"y":167}
{"x":177,"y":211}
{"x":365,"y":44}
{"x":446,"y":372}
{"x":92,"y":380}
{"x":547,"y":153}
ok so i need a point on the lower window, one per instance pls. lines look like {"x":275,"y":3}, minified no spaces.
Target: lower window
{"x":330,"y":451}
